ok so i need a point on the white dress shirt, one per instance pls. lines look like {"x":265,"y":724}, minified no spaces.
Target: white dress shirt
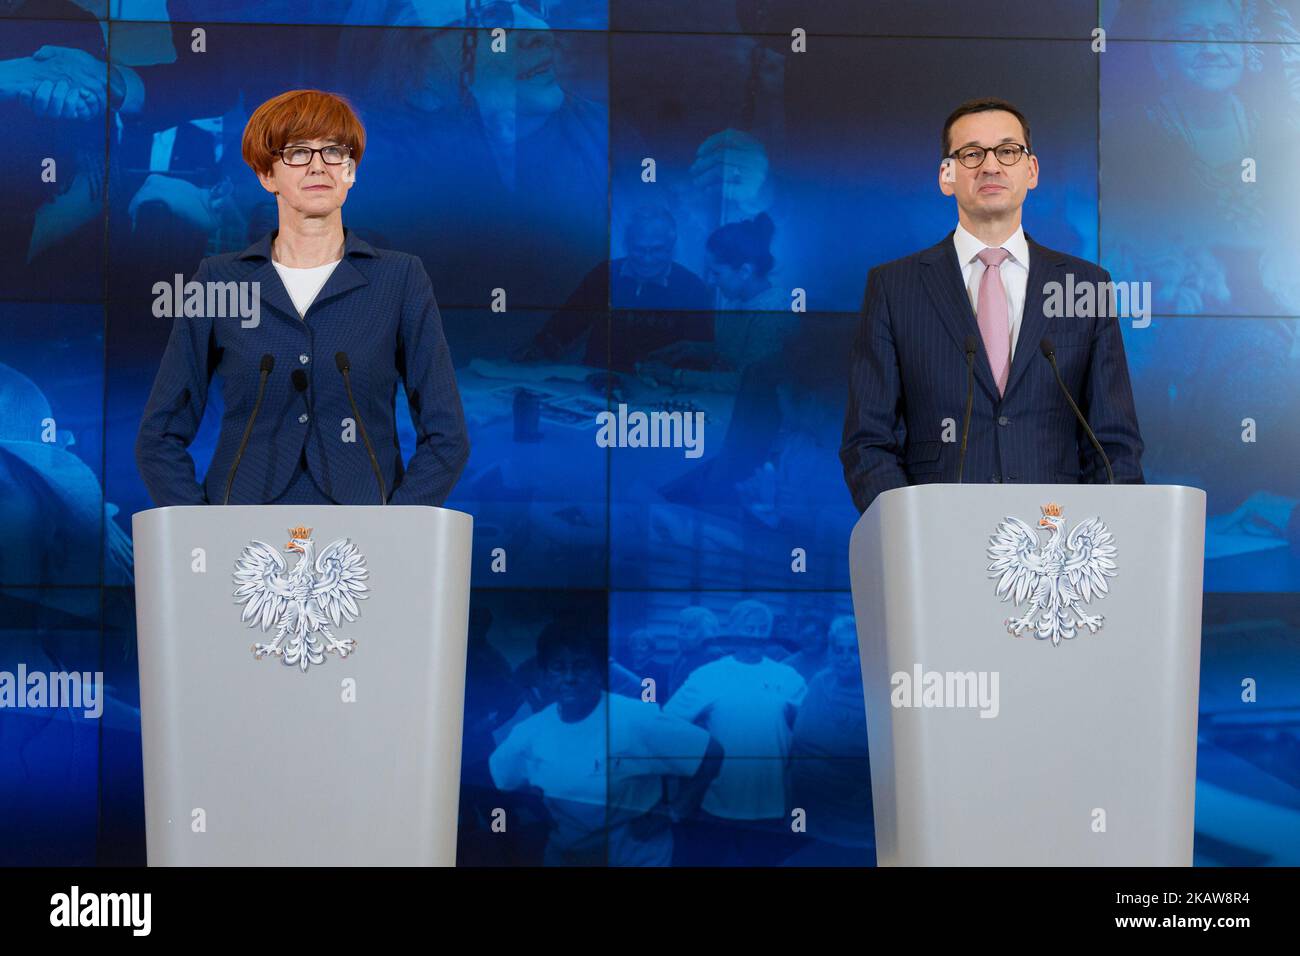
{"x":1015,"y":272}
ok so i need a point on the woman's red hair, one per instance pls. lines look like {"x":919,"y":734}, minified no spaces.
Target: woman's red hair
{"x":300,"y":114}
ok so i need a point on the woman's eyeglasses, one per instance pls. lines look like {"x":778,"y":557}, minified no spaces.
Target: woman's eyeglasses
{"x":302,"y":155}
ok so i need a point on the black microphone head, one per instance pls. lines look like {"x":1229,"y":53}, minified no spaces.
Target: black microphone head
{"x":299,"y":378}
{"x":971,"y":345}
{"x":341,"y":360}
{"x":1046,"y":347}
{"x":268,"y":362}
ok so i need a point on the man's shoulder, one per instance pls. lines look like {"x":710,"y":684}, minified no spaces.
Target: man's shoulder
{"x":783,"y":671}
{"x":714,"y":666}
{"x":634,"y":711}
{"x":711,"y":672}
{"x":907,"y":265}
{"x":533,"y":724}
{"x":1074,"y":264}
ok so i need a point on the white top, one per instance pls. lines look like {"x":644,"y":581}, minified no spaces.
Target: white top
{"x":744,"y":707}
{"x":304,"y":284}
{"x":1015,"y":272}
{"x":588,"y":797}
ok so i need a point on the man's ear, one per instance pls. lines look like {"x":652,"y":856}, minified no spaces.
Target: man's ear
{"x":948,"y":176}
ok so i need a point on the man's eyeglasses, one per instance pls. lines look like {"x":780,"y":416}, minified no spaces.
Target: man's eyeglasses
{"x":972,"y":157}
{"x":302,"y":155}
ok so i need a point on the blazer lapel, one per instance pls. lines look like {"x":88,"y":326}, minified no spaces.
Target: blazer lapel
{"x":272,"y":291}
{"x":345,"y":277}
{"x":942,"y":277}
{"x":1044,"y":266}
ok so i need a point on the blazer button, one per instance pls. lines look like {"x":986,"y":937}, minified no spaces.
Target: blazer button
{"x":303,"y":418}
{"x":996,"y":479}
{"x":1003,"y":420}
{"x":304,"y":359}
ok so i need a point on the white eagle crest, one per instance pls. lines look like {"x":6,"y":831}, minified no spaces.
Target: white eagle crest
{"x":1056,"y":577}
{"x":301,"y":602}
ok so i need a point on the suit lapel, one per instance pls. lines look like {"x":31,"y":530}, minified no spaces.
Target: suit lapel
{"x":941,"y":275}
{"x":272,"y":290}
{"x":1044,"y":265}
{"x":345,"y":277}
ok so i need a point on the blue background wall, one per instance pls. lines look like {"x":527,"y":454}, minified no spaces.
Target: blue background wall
{"x":523,"y":171}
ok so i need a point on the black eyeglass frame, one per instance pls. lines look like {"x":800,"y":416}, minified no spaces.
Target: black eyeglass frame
{"x":1021,"y":151}
{"x":314,"y":150}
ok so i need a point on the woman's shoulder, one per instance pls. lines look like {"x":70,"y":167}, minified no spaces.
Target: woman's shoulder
{"x":374,"y":246}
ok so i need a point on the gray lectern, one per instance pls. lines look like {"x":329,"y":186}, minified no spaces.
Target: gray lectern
{"x":302,"y":679}
{"x":1030,"y":664}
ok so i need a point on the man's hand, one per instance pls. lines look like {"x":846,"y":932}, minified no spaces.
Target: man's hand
{"x":57,"y":82}
{"x":183,"y":198}
{"x":734,"y":164}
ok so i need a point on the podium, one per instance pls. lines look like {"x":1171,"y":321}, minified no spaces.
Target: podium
{"x":1040,"y":749}
{"x":338,"y":741}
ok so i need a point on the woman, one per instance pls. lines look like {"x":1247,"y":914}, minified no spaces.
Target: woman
{"x":754,"y":323}
{"x":324,"y":301}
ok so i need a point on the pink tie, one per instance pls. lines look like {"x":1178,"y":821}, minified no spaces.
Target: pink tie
{"x":994,"y":319}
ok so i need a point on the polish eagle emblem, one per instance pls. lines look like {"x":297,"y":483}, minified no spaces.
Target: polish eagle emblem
{"x":1057,"y":576}
{"x":301,"y":602}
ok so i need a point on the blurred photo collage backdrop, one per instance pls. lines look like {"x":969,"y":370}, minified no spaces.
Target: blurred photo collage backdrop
{"x":639,"y":206}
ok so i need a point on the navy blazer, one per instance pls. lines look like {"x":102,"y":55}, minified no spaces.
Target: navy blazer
{"x":908,"y":375}
{"x":378,"y":307}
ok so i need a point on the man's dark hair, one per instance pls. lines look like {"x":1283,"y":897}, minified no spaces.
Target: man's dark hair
{"x":982,"y":106}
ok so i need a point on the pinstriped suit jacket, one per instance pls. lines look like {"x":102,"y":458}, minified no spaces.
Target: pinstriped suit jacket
{"x":378,"y":307}
{"x":908,"y":374}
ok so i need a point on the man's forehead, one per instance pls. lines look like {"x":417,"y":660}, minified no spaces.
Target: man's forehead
{"x":998,"y":122}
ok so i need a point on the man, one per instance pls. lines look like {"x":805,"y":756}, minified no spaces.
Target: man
{"x":657,"y":292}
{"x":697,"y":636}
{"x":987,"y":282}
{"x":599,"y":760}
{"x":749,"y":703}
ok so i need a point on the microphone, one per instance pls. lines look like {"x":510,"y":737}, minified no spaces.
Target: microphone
{"x":268,"y":363}
{"x":970,"y":399}
{"x":341,"y":360}
{"x":299,"y":379}
{"x":1048,"y":350}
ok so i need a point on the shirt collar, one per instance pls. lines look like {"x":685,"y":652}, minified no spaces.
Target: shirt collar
{"x":968,"y":247}
{"x":353,"y":245}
